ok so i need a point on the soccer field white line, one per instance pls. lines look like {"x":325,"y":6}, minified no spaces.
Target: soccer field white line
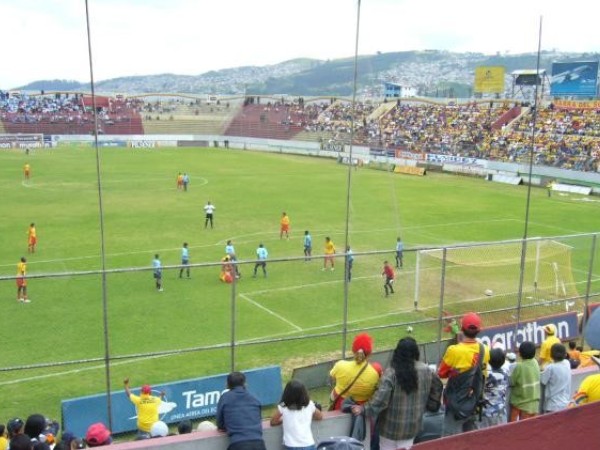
{"x":74,"y":371}
{"x":273,"y":313}
{"x":223,"y":241}
{"x":198,"y":182}
{"x":555,"y":227}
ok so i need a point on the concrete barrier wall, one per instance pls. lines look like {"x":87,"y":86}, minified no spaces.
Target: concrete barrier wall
{"x":333,"y":424}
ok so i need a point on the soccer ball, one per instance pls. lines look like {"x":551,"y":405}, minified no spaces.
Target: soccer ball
{"x":489,"y":292}
{"x":409,"y":329}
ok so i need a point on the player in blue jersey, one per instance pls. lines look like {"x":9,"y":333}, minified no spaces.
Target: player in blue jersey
{"x":399,"y":253}
{"x":185,"y":260}
{"x":307,"y":246}
{"x":157,"y":266}
{"x":261,"y":255}
{"x":230,"y":251}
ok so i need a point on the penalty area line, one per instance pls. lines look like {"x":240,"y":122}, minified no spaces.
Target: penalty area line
{"x":273,"y":313}
{"x":71,"y":372}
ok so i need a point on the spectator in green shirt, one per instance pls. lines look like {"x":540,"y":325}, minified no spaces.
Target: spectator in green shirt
{"x":525,"y":391}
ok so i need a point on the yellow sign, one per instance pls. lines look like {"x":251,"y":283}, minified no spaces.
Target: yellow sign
{"x":410,"y":170}
{"x":489,"y":79}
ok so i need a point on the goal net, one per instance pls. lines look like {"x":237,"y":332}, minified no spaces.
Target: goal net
{"x":487,"y":276}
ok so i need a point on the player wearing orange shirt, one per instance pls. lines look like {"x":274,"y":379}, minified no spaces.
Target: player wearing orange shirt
{"x":31,"y":238}
{"x":22,"y":281}
{"x":180,"y":181}
{"x":285,"y":226}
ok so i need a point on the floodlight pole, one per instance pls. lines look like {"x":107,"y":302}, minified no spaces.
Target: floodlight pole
{"x":101,"y":213}
{"x":348,"y":185}
{"x":528,"y":201}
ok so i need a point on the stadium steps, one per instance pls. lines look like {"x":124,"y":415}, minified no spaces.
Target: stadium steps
{"x":381,"y":111}
{"x":315,"y":136}
{"x":197,"y":125}
{"x":263,"y":122}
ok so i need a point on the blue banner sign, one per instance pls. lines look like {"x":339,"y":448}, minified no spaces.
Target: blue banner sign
{"x":188,"y":399}
{"x":574,"y":79}
{"x":567,"y":326}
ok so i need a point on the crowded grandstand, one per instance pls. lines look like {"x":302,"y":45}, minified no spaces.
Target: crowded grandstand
{"x":567,"y":134}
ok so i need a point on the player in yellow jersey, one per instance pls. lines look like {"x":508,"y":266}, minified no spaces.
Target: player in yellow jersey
{"x":26,"y":171}
{"x":31,"y":238}
{"x":329,"y":252}
{"x":285,"y":226}
{"x":22,"y":281}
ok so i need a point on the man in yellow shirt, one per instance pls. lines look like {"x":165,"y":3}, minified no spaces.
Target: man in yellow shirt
{"x":27,"y":171}
{"x":356,"y":378}
{"x":459,"y":358}
{"x":147,"y":407}
{"x":551,"y":339}
{"x":22,"y":281}
{"x":588,"y":392}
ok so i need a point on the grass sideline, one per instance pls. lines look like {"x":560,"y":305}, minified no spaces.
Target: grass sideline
{"x":145,"y":214}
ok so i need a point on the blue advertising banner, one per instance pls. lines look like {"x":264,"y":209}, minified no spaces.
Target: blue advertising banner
{"x":188,"y":399}
{"x":567,"y":326}
{"x":574,"y":79}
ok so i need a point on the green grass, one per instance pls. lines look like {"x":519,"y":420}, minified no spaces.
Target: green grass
{"x":144,"y":214}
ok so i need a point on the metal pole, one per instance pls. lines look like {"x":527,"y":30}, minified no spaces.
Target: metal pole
{"x":441,"y":307}
{"x":101,"y":220}
{"x":528,"y":201}
{"x":348,"y":186}
{"x":589,"y":283}
{"x":233,"y":324}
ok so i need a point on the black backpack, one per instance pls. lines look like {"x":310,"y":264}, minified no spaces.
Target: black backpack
{"x":464,"y":392}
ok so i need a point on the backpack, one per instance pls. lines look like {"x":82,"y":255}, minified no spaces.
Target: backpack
{"x":340,"y":443}
{"x":464,"y":392}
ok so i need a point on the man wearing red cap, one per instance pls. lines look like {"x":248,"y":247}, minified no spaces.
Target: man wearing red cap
{"x":460,"y":358}
{"x":357,"y":378}
{"x":147,"y":407}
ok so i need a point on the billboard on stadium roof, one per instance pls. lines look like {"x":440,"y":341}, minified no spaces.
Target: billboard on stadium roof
{"x":489,"y":79}
{"x":578,"y":78}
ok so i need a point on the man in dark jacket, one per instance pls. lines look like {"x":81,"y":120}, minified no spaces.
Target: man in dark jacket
{"x":239,"y":415}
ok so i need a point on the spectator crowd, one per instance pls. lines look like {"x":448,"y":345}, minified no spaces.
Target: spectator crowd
{"x":400,"y":405}
{"x":565,"y":138}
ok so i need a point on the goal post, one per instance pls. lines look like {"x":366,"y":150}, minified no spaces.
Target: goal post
{"x":491,"y":272}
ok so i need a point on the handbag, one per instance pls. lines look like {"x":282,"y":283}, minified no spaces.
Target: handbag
{"x":336,"y":397}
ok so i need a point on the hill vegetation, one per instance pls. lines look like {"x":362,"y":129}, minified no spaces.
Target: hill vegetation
{"x":430,"y":72}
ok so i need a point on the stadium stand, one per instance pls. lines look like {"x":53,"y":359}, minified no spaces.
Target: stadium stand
{"x":564,"y":138}
{"x":177,"y":116}
{"x":274,"y":121}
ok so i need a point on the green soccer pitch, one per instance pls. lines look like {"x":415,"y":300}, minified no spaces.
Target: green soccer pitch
{"x":145,"y":214}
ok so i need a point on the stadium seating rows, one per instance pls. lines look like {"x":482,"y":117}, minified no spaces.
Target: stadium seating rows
{"x":492,"y":130}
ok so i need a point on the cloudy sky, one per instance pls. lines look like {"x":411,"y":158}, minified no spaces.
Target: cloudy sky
{"x":47,"y":39}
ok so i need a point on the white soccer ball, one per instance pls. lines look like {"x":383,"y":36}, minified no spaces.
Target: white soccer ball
{"x":489,"y":292}
{"x":409,"y":329}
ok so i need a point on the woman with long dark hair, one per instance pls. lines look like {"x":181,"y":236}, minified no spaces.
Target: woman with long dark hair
{"x":401,"y":397}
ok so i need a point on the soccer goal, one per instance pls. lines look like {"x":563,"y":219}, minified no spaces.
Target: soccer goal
{"x":484,"y":276}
